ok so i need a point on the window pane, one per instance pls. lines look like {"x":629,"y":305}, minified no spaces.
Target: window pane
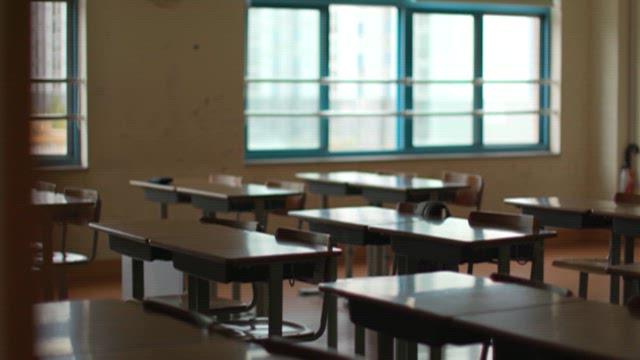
{"x":362,"y":97}
{"x":511,"y":129}
{"x":49,"y":39}
{"x":442,"y":130}
{"x":362,"y":133}
{"x":282,"y":97}
{"x":443,"y":47}
{"x":362,"y":42}
{"x":49,"y":137}
{"x":49,"y":98}
{"x":511,"y":47}
{"x":271,"y":133}
{"x":283,"y":43}
{"x":443,"y":97}
{"x":511,"y":97}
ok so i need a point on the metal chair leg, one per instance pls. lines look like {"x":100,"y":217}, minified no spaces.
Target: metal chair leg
{"x":583,"y":285}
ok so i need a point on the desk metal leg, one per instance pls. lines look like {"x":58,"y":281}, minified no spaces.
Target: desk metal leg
{"x":332,"y":308}
{"x":614,"y":259}
{"x":236,"y":291}
{"x":348,"y":261}
{"x":385,"y":346}
{"x":629,"y":250}
{"x":275,"y":300}
{"x":371,"y":261}
{"x":202,"y":303}
{"x":137,"y":278}
{"x":359,"y":340}
{"x":261,"y":213}
{"x":164,"y":211}
{"x":262,"y":300}
{"x":324,"y":201}
{"x":435,"y":352}
{"x":537,"y":266}
{"x":504,"y":255}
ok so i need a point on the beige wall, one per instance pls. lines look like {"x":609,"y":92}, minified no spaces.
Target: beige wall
{"x":165,"y":98}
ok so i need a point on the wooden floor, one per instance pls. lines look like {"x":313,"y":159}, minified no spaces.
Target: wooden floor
{"x":307,"y":309}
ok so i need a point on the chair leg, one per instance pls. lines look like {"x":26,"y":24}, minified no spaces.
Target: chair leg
{"x":300,"y":223}
{"x":470,"y":268}
{"x":63,"y":291}
{"x":583,"y":285}
{"x":435,"y":352}
{"x":485,"y":351}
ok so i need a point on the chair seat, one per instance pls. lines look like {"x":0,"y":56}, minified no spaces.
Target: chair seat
{"x":597,"y":266}
{"x":217,"y":306}
{"x":627,"y":270}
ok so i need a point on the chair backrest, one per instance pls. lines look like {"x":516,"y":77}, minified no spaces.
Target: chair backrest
{"x":625,"y":198}
{"x":279,"y":346}
{"x":225,"y":179}
{"x":44,"y":186}
{"x":301,"y":237}
{"x":516,"y":222}
{"x":469,"y":197}
{"x":90,"y":215}
{"x":530,"y":283}
{"x":236,"y":224}
{"x":426,"y":209}
{"x":292,"y":202}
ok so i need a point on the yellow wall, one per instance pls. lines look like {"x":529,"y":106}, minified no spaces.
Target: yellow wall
{"x":165,"y":98}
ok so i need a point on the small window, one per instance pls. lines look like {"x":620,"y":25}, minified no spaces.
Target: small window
{"x":55,"y":84}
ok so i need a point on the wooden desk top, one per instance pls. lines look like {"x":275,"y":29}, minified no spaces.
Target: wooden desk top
{"x":214,"y":242}
{"x":441,"y":295}
{"x":613,"y":210}
{"x":380,"y":181}
{"x":584,"y":328}
{"x":576,"y":205}
{"x":102,"y":327}
{"x":203,"y":187}
{"x":48,"y":198}
{"x":456,"y":231}
{"x":631,"y":270}
{"x":357,"y":217}
{"x":146,"y":230}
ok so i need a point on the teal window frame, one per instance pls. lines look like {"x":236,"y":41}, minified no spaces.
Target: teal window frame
{"x":73,"y":116}
{"x":406,"y":9}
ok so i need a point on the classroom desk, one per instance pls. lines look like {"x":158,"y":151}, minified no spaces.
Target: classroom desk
{"x":215,"y":197}
{"x":625,"y":223}
{"x":422,"y":307}
{"x":376,"y":188}
{"x":350,"y":226}
{"x":52,"y":207}
{"x":575,"y":213}
{"x":109,"y":329}
{"x":570,"y":330}
{"x":446,"y":243}
{"x":222,"y":254}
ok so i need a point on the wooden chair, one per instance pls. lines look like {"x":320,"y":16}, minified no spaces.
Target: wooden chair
{"x":514,"y":222}
{"x":523,"y":282}
{"x":45,"y":186}
{"x":63,"y":258}
{"x":243,"y":225}
{"x":469,"y":197}
{"x":292,"y":202}
{"x":593,"y":265}
{"x":326,"y":272}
